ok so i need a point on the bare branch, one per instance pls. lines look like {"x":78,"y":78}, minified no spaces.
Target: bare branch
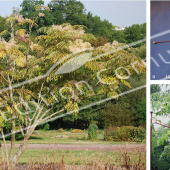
{"x":161,"y":124}
{"x":50,"y":116}
{"x":38,"y":114}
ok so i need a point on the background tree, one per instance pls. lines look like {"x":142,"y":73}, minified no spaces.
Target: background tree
{"x":28,"y":10}
{"x":161,"y":107}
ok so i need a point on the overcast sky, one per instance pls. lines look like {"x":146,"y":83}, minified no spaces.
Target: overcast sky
{"x":119,"y":13}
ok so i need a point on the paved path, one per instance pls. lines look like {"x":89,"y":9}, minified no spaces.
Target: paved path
{"x":129,"y":147}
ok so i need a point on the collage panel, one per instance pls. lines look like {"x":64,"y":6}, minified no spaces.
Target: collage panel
{"x":73,"y":85}
{"x":160,"y":40}
{"x":160,"y":125}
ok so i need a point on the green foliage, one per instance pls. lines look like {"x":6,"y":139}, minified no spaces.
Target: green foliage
{"x":7,"y":130}
{"x":33,"y":8}
{"x":125,"y":133}
{"x":162,"y":140}
{"x":159,"y":163}
{"x":19,"y":136}
{"x":137,"y":134}
{"x":160,"y":102}
{"x":135,"y":32}
{"x":139,"y":51}
{"x":61,"y":130}
{"x":74,"y":12}
{"x":118,"y":114}
{"x":92,"y":132}
{"x":140,"y":112}
{"x":155,"y":88}
{"x":47,"y":127}
{"x":160,"y":149}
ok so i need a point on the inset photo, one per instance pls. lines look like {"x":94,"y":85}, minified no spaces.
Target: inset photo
{"x":160,"y":40}
{"x":160,"y":126}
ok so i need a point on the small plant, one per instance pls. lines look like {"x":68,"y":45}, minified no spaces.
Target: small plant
{"x":47,"y":127}
{"x":76,"y":131}
{"x":61,"y":130}
{"x":92,"y":132}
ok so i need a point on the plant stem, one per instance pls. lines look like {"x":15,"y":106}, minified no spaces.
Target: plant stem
{"x":157,"y":42}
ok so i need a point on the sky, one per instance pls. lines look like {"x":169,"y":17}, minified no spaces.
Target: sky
{"x":119,"y":13}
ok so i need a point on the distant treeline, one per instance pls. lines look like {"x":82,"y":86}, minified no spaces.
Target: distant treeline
{"x":74,"y":12}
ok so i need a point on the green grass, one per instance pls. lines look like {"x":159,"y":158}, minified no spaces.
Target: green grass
{"x":76,"y":157}
{"x":48,"y":137}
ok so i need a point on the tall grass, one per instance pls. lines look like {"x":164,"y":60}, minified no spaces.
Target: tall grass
{"x":121,"y":161}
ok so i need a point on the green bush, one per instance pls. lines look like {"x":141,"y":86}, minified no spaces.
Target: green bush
{"x":47,"y":127}
{"x":7,"y":130}
{"x":19,"y":136}
{"x":61,"y":130}
{"x":137,"y":134}
{"x":159,"y":160}
{"x":92,"y":132}
{"x":125,"y":133}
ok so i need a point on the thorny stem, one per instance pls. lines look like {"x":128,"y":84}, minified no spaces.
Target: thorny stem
{"x":157,"y":42}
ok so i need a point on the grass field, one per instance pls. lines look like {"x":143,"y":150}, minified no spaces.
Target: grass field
{"x":79,"y":157}
{"x":48,"y":137}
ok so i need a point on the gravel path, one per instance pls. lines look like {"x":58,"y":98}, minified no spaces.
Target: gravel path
{"x":128,"y":147}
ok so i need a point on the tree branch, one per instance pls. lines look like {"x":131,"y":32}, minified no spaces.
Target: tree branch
{"x":161,"y":124}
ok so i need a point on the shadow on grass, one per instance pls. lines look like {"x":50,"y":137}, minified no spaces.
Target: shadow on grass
{"x":33,"y":137}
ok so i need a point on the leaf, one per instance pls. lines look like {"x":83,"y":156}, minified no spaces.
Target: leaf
{"x":9,"y":109}
{"x":5,"y":32}
{"x":126,"y":83}
{"x":3,"y":115}
{"x":71,"y":106}
{"x":168,"y":132}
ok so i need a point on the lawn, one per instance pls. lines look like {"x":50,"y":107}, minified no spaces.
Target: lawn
{"x":80,"y":157}
{"x":49,"y":137}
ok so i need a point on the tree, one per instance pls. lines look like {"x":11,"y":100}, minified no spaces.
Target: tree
{"x":140,"y":112}
{"x":160,"y":153}
{"x":29,"y":10}
{"x":119,"y":114}
{"x":135,"y":32}
{"x":72,"y":12}
{"x":28,"y":103}
{"x":155,"y":88}
{"x":161,"y":107}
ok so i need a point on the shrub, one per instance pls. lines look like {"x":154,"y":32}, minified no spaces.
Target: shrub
{"x":92,"y":132}
{"x":7,"y":130}
{"x":47,"y":127}
{"x":19,"y":136}
{"x":125,"y":133}
{"x":76,"y":131}
{"x":137,"y":134}
{"x":61,"y":130}
{"x":159,"y":162}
